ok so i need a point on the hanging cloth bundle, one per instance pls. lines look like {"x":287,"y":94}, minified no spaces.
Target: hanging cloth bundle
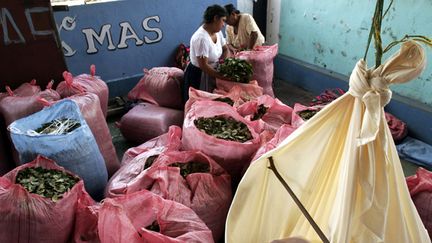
{"x":343,"y":166}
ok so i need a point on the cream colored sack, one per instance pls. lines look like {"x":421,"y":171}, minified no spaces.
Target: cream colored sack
{"x":343,"y":166}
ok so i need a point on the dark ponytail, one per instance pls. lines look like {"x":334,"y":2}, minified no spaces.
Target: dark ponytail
{"x":214,"y":11}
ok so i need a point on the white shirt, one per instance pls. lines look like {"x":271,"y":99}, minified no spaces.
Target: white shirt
{"x":202,"y":45}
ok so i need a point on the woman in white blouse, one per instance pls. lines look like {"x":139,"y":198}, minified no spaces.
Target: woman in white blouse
{"x":207,"y":47}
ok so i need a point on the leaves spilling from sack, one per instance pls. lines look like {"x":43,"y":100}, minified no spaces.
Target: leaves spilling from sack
{"x":225,"y":100}
{"x":307,"y":114}
{"x":237,"y":70}
{"x":260,"y":112}
{"x":58,"y":126}
{"x":191,"y":167}
{"x":224,"y":128}
{"x":46,"y":182}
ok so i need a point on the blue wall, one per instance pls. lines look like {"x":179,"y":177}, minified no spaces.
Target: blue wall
{"x":332,"y":34}
{"x":122,"y":68}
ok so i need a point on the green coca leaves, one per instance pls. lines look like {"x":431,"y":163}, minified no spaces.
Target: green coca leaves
{"x":226,"y":128}
{"x":237,"y":70}
{"x":45,"y":182}
{"x":191,"y":167}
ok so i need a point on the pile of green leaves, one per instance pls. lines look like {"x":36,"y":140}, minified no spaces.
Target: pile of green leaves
{"x":58,"y":126}
{"x":307,"y":114}
{"x":154,"y":226}
{"x":191,"y":167}
{"x":224,"y":128}
{"x":46,"y":182}
{"x":225,"y":100}
{"x":260,"y":112}
{"x":237,"y":70}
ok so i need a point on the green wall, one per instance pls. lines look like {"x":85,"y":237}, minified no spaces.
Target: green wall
{"x":333,"y":33}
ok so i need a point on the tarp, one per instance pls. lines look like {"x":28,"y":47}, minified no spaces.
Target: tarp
{"x":343,"y":166}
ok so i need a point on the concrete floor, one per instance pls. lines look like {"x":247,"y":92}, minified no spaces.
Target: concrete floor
{"x":284,"y":91}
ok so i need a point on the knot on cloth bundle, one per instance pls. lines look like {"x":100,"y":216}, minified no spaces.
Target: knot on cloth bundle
{"x":372,"y":85}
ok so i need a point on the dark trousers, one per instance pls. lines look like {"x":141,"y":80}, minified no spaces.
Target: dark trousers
{"x":192,"y":78}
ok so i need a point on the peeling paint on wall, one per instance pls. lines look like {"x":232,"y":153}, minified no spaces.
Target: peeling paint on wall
{"x":333,"y":34}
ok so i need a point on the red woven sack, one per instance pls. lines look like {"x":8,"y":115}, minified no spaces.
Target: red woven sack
{"x":420,"y":188}
{"x":276,"y":114}
{"x":398,"y":128}
{"x":231,"y":155}
{"x":85,"y":83}
{"x":207,"y":193}
{"x":165,"y":142}
{"x":28,"y":217}
{"x":16,"y":107}
{"x":146,"y":121}
{"x":128,"y":219}
{"x":247,"y":91}
{"x":91,"y":112}
{"x":160,"y":86}
{"x":261,"y":58}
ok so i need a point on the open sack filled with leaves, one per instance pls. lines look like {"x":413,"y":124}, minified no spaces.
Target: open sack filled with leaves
{"x":216,"y":129}
{"x":71,"y":144}
{"x":85,"y":83}
{"x":232,"y":98}
{"x":247,"y":91}
{"x":192,"y":179}
{"x":271,"y":113}
{"x":236,"y":70}
{"x":146,"y":217}
{"x":302,"y":113}
{"x":261,"y":58}
{"x":38,"y":202}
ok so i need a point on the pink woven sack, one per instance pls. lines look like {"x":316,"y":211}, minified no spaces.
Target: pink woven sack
{"x":27,"y":217}
{"x":160,"y":86}
{"x":231,"y":155}
{"x":276,"y":114}
{"x":247,"y":91}
{"x":146,"y":121}
{"x":420,"y":187}
{"x":261,"y":58}
{"x":165,"y":142}
{"x":145,"y":217}
{"x":85,"y":83}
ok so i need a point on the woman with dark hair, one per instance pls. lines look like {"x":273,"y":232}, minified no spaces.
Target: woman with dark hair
{"x":207,"y":46}
{"x":242,"y":32}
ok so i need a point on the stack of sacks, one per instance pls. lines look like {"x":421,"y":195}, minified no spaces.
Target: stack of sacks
{"x":85,"y":83}
{"x":181,"y":176}
{"x":29,"y":217}
{"x":160,"y":88}
{"x":140,"y":217}
{"x":20,"y":103}
{"x":261,"y":58}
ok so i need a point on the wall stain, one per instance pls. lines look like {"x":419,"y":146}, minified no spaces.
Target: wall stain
{"x":292,"y":10}
{"x":318,"y":47}
{"x":331,"y":51}
{"x":343,"y":53}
